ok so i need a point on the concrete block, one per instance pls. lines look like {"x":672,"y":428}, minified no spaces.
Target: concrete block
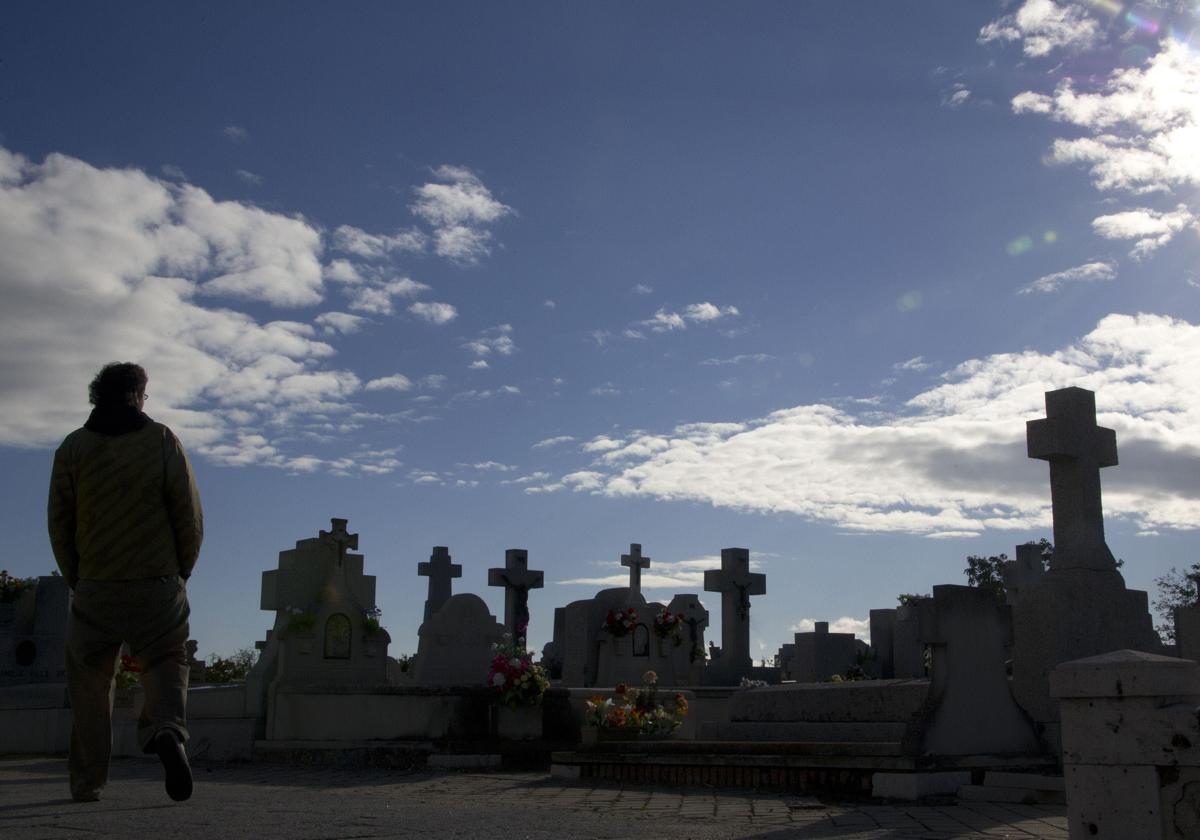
{"x":1029,"y":781}
{"x":448,"y":761}
{"x":917,"y":785}
{"x":565,"y":771}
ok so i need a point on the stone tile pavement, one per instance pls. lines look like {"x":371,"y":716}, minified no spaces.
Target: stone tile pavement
{"x":272,"y":801}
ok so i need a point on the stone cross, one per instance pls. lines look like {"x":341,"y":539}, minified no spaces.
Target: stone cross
{"x":636,"y":562}
{"x":439,"y":570}
{"x":736,"y":584}
{"x":1076,"y":448}
{"x":517,"y":579}
{"x":339,"y":538}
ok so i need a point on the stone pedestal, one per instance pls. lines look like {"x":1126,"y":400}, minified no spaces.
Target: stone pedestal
{"x":1131,"y":745}
{"x":519,"y":723}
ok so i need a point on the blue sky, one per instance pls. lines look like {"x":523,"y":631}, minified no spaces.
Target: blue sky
{"x":567,"y":276}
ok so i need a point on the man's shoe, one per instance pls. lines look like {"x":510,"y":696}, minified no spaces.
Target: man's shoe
{"x":174,"y":760}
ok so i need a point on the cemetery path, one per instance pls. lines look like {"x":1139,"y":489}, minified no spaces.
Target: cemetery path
{"x":264,"y":801}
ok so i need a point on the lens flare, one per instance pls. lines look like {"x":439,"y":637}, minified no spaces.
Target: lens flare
{"x":1110,"y":6}
{"x":1050,"y":237}
{"x":1142,"y":23}
{"x":1019,"y":246}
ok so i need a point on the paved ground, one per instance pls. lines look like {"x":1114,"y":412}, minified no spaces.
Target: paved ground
{"x":265,"y":802}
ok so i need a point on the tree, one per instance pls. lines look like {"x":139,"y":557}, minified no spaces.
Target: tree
{"x":908,"y":599}
{"x":233,"y":669}
{"x":1175,"y":589}
{"x":988,"y":572}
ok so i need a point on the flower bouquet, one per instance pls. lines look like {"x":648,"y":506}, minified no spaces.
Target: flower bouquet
{"x":516,"y":678}
{"x":299,"y":620}
{"x":669,"y":625}
{"x":635,"y":711}
{"x":620,"y":623}
{"x":129,"y":673}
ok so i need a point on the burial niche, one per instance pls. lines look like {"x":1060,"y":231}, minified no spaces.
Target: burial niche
{"x":337,"y":636}
{"x":641,"y":640}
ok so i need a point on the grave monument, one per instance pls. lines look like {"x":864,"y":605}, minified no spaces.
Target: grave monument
{"x":736,"y":583}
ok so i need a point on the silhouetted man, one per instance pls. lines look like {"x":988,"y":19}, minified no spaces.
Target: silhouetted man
{"x":125,"y":526}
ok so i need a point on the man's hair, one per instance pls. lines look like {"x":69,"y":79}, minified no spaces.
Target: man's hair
{"x":117,"y":383}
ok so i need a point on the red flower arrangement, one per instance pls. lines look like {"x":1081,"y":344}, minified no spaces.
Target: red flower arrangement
{"x":621,"y":622}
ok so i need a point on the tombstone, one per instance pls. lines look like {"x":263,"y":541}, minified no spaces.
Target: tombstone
{"x":1187,"y":626}
{"x":455,"y":646}
{"x":736,"y":583}
{"x":970,"y":709}
{"x":1080,"y":608}
{"x":33,"y":648}
{"x":688,"y":657}
{"x":591,"y":656}
{"x":552,"y":657}
{"x":883,"y":633}
{"x":1027,"y":570}
{"x":320,"y":597}
{"x":818,"y":655}
{"x":196,"y":667}
{"x":908,"y":654}
{"x":517,"y":579}
{"x":439,"y":570}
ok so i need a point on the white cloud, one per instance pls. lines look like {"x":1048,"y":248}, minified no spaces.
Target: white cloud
{"x":605,"y":389}
{"x":956,"y":97}
{"x":549,"y":304}
{"x":433,"y":312}
{"x":696,"y":313}
{"x":553,"y":441}
{"x":1043,"y":26}
{"x":953,"y":460}
{"x":860,"y":627}
{"x":459,"y":208}
{"x":170,"y":170}
{"x":236,"y":133}
{"x":478,"y":364}
{"x":395,"y":382}
{"x":1152,"y":229}
{"x":740,"y":359}
{"x":377,"y":297}
{"x":1142,"y":123}
{"x":602,"y":444}
{"x":248,"y":177}
{"x":340,"y":322}
{"x":496,"y":340}
{"x":493,"y":466}
{"x":102,"y":264}
{"x":1091,"y":272}
{"x":351,"y":240}
{"x":434,"y":381}
{"x":916,"y":363}
{"x":642,"y":289}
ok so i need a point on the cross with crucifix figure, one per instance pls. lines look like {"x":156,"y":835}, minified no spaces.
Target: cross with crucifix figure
{"x":736,"y":583}
{"x":636,"y":562}
{"x":1077,"y":449}
{"x":517,"y":579}
{"x":339,"y":538}
{"x":439,"y":570}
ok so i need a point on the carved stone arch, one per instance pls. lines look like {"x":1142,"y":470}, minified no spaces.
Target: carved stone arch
{"x":641,"y":640}
{"x":337,"y":636}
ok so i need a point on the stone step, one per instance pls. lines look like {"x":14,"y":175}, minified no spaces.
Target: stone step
{"x":1009,"y":795}
{"x":873,"y":701}
{"x":805,"y":731}
{"x":1030,"y":781}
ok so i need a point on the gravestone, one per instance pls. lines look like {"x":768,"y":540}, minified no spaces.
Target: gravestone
{"x":883,"y":634}
{"x":736,"y":583}
{"x":320,"y":598}
{"x":636,"y":562}
{"x":517,"y":579}
{"x":33,"y":647}
{"x":908,"y":654}
{"x":970,"y":709}
{"x":196,"y":667}
{"x":1187,"y":626}
{"x":440,"y":571}
{"x":1027,"y":570}
{"x":455,"y":646}
{"x":552,"y":657}
{"x":688,"y":658}
{"x":1080,"y":608}
{"x":818,"y":655}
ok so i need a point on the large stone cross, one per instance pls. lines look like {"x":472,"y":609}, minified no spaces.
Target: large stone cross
{"x":517,"y":579}
{"x":736,"y":583}
{"x":339,"y":538}
{"x":439,"y":570}
{"x":636,"y":562}
{"x":1076,"y":448}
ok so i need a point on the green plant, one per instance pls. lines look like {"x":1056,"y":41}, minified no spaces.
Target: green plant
{"x":233,"y":669}
{"x":129,"y":673}
{"x":300,"y":620}
{"x":371,"y":625}
{"x":12,"y":588}
{"x":1175,"y":589}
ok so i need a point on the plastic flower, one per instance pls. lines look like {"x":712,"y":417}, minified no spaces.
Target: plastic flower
{"x":649,"y":678}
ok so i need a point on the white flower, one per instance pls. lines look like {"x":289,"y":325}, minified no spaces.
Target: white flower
{"x":498,"y":680}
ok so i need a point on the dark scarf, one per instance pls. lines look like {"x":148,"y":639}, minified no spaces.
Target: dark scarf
{"x":115,"y":420}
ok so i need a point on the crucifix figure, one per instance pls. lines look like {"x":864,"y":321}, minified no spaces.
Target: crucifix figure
{"x":517,"y":579}
{"x":636,"y":562}
{"x":339,"y":538}
{"x":1076,"y":448}
{"x":439,"y":570}
{"x":736,"y":584}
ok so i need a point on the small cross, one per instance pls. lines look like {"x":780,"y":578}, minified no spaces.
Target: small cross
{"x":339,"y":538}
{"x":517,"y":579}
{"x":439,"y":570}
{"x":636,"y":562}
{"x":1077,"y":449}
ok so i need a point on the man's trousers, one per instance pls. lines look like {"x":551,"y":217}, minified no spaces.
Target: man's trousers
{"x":152,"y":616}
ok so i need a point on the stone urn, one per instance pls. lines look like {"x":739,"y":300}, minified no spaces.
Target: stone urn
{"x":519,"y":723}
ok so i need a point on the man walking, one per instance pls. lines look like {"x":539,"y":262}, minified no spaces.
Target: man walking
{"x":125,"y":525}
